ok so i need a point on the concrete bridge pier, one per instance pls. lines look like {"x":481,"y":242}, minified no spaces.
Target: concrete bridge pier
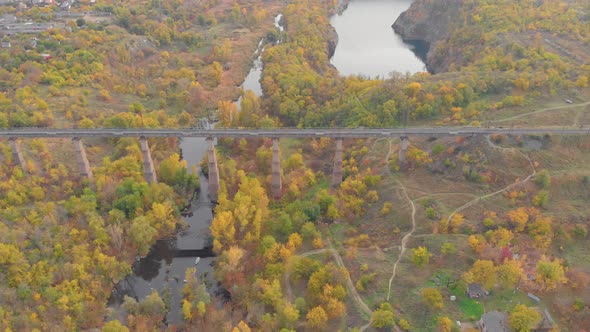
{"x":337,"y":171}
{"x":83,"y":163}
{"x":17,"y":154}
{"x":276,"y":185}
{"x":403,"y":149}
{"x":149,"y":172}
{"x":213,"y":180}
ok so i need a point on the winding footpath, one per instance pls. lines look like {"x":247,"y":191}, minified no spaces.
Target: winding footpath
{"x":479,"y":199}
{"x":404,"y":239}
{"x":349,"y":284}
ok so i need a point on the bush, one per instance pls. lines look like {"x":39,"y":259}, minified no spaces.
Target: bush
{"x":581,"y":231}
{"x":543,"y":179}
{"x":437,"y":149}
{"x":364,"y":281}
{"x":431,"y":213}
{"x":541,"y":199}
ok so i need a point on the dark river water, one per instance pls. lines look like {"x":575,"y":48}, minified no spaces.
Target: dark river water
{"x":163,"y":269}
{"x":367,"y":44}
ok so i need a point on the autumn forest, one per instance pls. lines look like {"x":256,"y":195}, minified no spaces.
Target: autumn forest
{"x":464,"y":227}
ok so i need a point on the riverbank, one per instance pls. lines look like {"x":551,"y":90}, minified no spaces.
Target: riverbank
{"x":426,"y":23}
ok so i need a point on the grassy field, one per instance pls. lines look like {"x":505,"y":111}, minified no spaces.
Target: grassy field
{"x":565,"y":159}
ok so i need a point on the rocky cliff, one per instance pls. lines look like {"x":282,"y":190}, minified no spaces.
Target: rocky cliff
{"x":332,"y":41}
{"x":430,"y":21}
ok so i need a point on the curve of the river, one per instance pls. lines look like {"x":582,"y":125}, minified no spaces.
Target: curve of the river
{"x":367,"y":44}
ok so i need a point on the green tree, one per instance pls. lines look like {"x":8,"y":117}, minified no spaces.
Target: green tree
{"x":543,"y":179}
{"x":541,"y":198}
{"x":142,"y":234}
{"x":448,"y":248}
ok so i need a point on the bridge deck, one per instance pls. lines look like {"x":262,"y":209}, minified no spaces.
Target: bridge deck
{"x":290,"y":132}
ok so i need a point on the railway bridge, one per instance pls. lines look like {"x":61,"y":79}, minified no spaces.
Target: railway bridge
{"x":338,"y":134}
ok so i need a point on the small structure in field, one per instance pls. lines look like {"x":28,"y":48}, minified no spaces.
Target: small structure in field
{"x":476,"y":291}
{"x":494,"y":321}
{"x":546,"y":324}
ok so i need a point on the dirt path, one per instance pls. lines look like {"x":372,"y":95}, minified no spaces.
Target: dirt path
{"x":479,"y":199}
{"x":409,"y":234}
{"x":349,"y":284}
{"x":359,"y":300}
{"x":404,"y":239}
{"x":541,"y":111}
{"x":288,"y":272}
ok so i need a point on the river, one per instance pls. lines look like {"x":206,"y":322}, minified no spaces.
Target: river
{"x":163,"y":269}
{"x":367,"y":44}
{"x":374,"y":50}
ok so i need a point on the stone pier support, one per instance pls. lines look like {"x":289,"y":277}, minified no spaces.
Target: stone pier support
{"x":17,"y":154}
{"x":403,"y":149}
{"x":149,"y":172}
{"x":337,"y":171}
{"x":83,"y":163}
{"x":276,"y":185}
{"x":213,"y":180}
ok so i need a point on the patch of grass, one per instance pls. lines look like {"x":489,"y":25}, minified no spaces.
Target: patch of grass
{"x":505,"y":300}
{"x":577,"y":252}
{"x":472,"y":309}
{"x":323,"y":183}
{"x":338,"y":232}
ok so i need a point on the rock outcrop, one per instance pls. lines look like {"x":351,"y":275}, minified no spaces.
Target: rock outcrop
{"x":332,"y":34}
{"x":332,"y":41}
{"x":429,"y":21}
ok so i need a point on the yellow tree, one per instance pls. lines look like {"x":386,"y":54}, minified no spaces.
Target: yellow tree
{"x":477,"y":242}
{"x":421,"y":256}
{"x":456,"y":222}
{"x":241,"y":327}
{"x":445,"y":324}
{"x":114,"y":326}
{"x":510,"y":273}
{"x":227,"y":112}
{"x":433,"y":298}
{"x":518,"y":218}
{"x":483,"y":272}
{"x":317,"y":318}
{"x":550,"y":273}
{"x":500,"y":237}
{"x":223,"y":230}
{"x":523,"y":318}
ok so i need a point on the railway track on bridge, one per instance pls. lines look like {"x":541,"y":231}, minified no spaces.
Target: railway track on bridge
{"x":291,"y":132}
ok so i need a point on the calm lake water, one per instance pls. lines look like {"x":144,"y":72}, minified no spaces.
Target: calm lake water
{"x":367,"y":44}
